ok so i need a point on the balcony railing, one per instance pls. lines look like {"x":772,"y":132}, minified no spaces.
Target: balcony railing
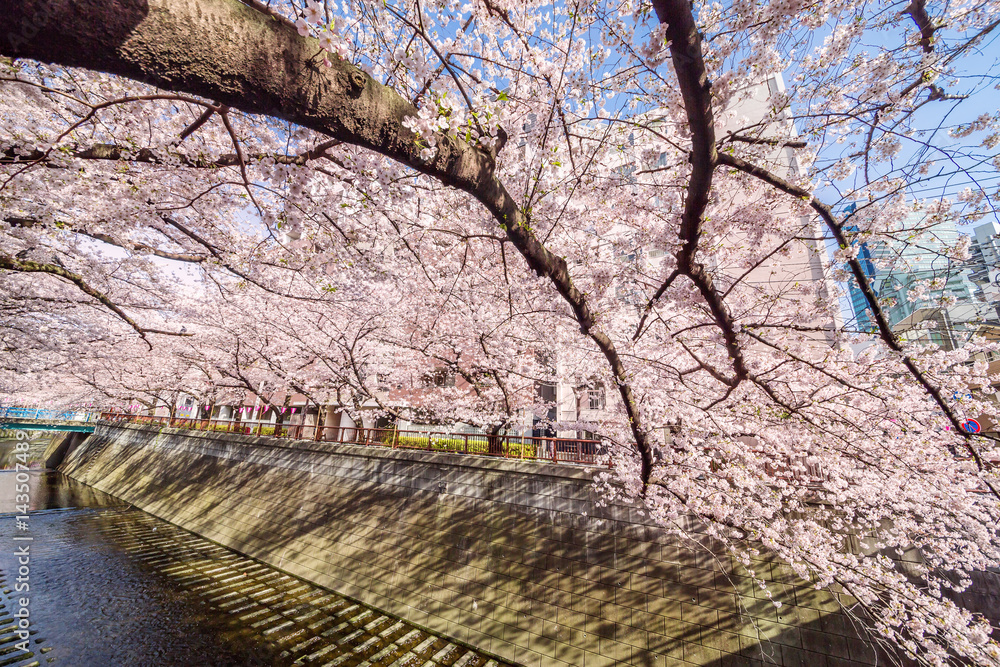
{"x":556,"y":450}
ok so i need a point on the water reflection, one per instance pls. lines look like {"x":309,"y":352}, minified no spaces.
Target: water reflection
{"x":112,"y":585}
{"x":38,"y":442}
{"x":91,"y":601}
{"x":51,"y":490}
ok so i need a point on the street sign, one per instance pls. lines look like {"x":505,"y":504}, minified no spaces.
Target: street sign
{"x":971,"y":426}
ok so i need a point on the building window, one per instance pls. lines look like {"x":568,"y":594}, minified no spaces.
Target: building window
{"x":439,"y":377}
{"x":595,"y":398}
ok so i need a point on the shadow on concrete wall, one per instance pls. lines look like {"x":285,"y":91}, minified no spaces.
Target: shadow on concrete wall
{"x":485,"y":552}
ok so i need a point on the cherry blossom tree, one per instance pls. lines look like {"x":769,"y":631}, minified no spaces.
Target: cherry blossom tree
{"x":367,"y":190}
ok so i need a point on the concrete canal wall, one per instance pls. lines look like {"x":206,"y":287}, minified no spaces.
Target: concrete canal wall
{"x":45,"y":448}
{"x":511,"y":557}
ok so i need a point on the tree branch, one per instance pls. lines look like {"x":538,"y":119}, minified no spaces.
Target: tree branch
{"x":696,"y":92}
{"x":29,"y":266}
{"x":16,"y":221}
{"x":765,"y":141}
{"x":917,"y":9}
{"x":116,"y":153}
{"x":885,"y":330}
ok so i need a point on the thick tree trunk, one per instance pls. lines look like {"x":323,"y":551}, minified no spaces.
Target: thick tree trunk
{"x":228,"y":52}
{"x":279,"y":416}
{"x":494,"y":441}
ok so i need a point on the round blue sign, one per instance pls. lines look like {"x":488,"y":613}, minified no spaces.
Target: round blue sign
{"x":971,"y":426}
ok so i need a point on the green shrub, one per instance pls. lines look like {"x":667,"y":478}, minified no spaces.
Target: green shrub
{"x":476,"y":444}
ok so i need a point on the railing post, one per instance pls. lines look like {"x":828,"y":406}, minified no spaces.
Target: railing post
{"x":555,"y":449}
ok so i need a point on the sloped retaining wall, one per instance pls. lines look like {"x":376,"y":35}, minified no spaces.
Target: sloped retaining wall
{"x":511,"y":557}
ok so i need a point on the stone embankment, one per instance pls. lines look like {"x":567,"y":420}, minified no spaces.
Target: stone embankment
{"x":513,"y":558}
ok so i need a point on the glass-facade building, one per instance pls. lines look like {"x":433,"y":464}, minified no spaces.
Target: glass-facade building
{"x":925,"y":294}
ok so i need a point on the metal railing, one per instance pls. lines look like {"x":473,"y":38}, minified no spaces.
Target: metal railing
{"x":20,"y":412}
{"x":528,"y":448}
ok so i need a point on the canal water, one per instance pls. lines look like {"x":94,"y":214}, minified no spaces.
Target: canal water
{"x":111,"y":585}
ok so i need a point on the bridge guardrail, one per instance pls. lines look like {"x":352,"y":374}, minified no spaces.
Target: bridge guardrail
{"x":20,"y":412}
